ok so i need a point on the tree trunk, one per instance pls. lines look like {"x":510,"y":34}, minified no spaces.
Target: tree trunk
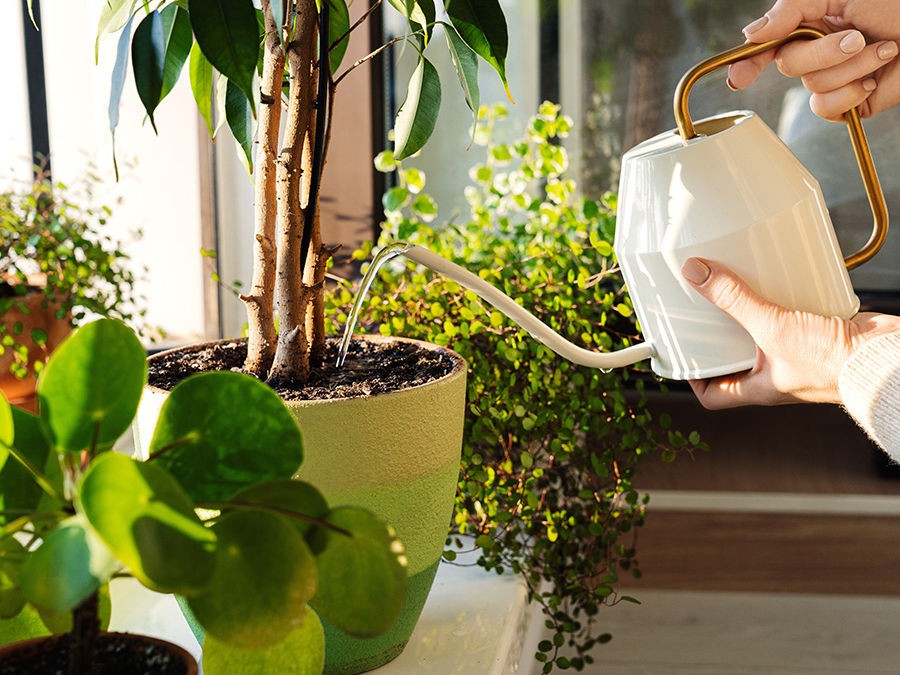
{"x":261,"y":337}
{"x":291,"y":363}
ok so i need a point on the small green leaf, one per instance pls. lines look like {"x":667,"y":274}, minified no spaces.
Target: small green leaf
{"x":90,"y":389}
{"x":228,"y":34}
{"x":114,"y":14}
{"x":261,"y":551}
{"x":395,"y":198}
{"x":385,"y":162}
{"x":148,"y":522}
{"x":362,"y":576}
{"x":420,"y":14}
{"x":222,"y":432}
{"x":148,"y":58}
{"x":68,"y":566}
{"x":417,"y":116}
{"x":484,"y":541}
{"x":465,"y":61}
{"x":178,"y":40}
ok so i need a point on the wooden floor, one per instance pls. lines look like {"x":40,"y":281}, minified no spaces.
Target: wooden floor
{"x":802,"y":450}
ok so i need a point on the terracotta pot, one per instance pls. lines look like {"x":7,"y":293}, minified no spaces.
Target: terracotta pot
{"x":396,"y":454}
{"x":147,"y":655}
{"x":39,"y":315}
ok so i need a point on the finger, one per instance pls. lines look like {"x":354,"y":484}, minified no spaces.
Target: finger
{"x":806,"y":56}
{"x":865,"y":63}
{"x":728,"y":292}
{"x":786,"y":15}
{"x":744,"y":73}
{"x":832,"y":105}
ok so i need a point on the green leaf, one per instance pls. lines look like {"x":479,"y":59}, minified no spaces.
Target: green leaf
{"x":114,"y":14}
{"x":420,"y":15}
{"x":178,"y":40}
{"x":228,"y":34}
{"x":69,"y":565}
{"x":465,"y":61}
{"x":240,"y":120}
{"x":18,"y":490}
{"x":418,"y":114}
{"x":362,"y":577}
{"x":117,"y":83}
{"x":483,"y":27}
{"x":302,"y":652}
{"x":7,"y":431}
{"x":222,"y":432}
{"x":338,"y":25}
{"x":201,"y":72}
{"x":148,"y":58}
{"x":289,"y":497}
{"x":148,"y":522}
{"x":11,"y":599}
{"x":261,"y":551}
{"x":90,"y":389}
{"x":395,"y":198}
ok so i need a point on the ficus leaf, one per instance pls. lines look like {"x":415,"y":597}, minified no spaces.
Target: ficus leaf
{"x":420,"y":14}
{"x":418,"y":115}
{"x":201,"y":72}
{"x":465,"y":62}
{"x":117,"y":85}
{"x":228,"y":33}
{"x":148,"y":58}
{"x":338,"y":25}
{"x":239,"y":115}
{"x":114,"y":14}
{"x":7,"y":432}
{"x":178,"y":40}
{"x":483,"y":27}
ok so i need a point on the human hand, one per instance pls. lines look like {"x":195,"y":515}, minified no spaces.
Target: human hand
{"x":799,"y":355}
{"x":841,"y":70}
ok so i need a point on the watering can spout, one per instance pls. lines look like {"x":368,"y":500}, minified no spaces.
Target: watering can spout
{"x":528,"y":321}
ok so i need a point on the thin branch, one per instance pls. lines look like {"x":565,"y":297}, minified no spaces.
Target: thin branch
{"x":171,"y":446}
{"x":356,"y":25}
{"x":369,"y":57}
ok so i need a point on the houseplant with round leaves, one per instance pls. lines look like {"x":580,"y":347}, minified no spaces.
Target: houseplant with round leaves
{"x":58,"y":267}
{"x":212,"y":515}
{"x":550,"y":449}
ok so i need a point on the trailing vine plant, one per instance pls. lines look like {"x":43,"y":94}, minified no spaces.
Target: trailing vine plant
{"x":546,"y":487}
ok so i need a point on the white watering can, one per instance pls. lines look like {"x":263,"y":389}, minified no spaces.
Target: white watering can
{"x":724,"y":188}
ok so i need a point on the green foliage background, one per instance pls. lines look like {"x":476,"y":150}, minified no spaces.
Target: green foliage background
{"x":550,"y":449}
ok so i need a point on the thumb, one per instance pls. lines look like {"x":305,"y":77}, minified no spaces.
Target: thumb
{"x":728,"y":292}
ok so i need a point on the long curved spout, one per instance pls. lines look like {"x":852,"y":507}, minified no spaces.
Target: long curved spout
{"x":527,"y":320}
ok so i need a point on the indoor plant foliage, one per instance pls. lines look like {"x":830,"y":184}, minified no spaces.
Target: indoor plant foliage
{"x":53,"y":242}
{"x":212,"y":515}
{"x":268,"y":61}
{"x":550,"y":448}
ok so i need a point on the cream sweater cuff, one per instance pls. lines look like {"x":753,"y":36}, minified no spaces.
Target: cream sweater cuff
{"x":869,"y":386}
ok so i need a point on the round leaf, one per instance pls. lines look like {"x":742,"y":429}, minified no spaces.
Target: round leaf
{"x":288,"y":496}
{"x":264,"y":576}
{"x":11,"y":556}
{"x":91,"y":386}
{"x":362,"y":574}
{"x":302,"y":652}
{"x":222,"y":432}
{"x":148,"y":522}
{"x":70,"y":565}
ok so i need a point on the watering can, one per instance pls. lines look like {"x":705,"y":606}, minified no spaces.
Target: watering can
{"x":724,"y":188}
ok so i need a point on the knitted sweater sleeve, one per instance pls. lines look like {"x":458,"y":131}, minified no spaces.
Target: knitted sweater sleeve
{"x":870,"y":391}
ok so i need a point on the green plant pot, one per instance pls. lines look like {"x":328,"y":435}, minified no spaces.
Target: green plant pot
{"x":396,"y":454}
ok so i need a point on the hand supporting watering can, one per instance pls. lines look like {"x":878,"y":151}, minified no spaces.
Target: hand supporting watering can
{"x":803,"y":356}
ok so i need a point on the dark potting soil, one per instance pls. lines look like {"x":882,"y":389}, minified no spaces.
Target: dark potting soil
{"x":371,"y":367}
{"x":116,"y":655}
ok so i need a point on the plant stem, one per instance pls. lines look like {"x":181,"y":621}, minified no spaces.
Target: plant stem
{"x":261,"y":338}
{"x":39,"y":477}
{"x":83,"y":637}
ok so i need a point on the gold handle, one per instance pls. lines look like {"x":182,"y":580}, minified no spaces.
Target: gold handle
{"x":854,"y":126}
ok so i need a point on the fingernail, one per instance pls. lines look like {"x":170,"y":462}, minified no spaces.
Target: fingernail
{"x":887,"y":50}
{"x":869,"y":84}
{"x":853,"y":42}
{"x":730,"y":84}
{"x":695,"y":270}
{"x":751,"y":28}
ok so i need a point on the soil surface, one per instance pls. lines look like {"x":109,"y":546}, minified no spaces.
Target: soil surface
{"x":116,"y":655}
{"x":372,"y":367}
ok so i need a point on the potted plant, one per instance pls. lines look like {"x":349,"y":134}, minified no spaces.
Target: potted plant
{"x":551,"y":450}
{"x":57,"y":267}
{"x":212,"y":516}
{"x":403,"y":446}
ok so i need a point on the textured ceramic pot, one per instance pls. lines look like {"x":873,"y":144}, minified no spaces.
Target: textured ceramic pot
{"x":396,"y":454}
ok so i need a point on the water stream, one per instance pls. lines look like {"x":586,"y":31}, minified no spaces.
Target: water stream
{"x":502,"y":302}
